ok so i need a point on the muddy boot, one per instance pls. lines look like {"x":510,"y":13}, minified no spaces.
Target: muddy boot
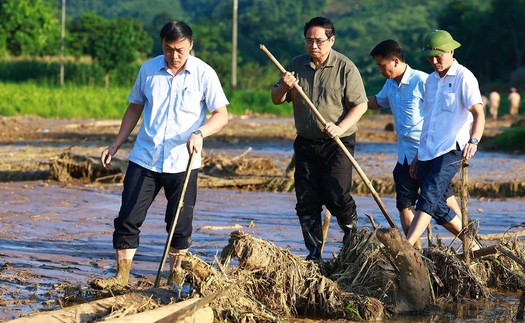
{"x":177,"y":277}
{"x":418,"y":245}
{"x":349,"y":226}
{"x":313,"y":237}
{"x":121,"y":279}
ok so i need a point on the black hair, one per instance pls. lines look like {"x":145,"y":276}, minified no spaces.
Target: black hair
{"x":321,"y":22}
{"x":175,"y":30}
{"x":388,"y":49}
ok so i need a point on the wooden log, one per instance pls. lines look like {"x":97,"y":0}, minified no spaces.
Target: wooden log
{"x":413,"y":290}
{"x":499,"y":236}
{"x":490,"y":250}
{"x":95,"y":310}
{"x":217,"y":182}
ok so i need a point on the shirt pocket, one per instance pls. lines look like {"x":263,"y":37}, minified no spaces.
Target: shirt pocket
{"x":332,"y":97}
{"x":449,"y":103}
{"x":191,"y":100}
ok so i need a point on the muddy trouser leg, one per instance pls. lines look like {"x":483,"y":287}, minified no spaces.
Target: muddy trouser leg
{"x":337,"y":180}
{"x":308,"y":191}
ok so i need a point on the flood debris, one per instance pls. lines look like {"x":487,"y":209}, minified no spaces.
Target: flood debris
{"x":76,"y":168}
{"x":242,"y":172}
{"x":375,"y":276}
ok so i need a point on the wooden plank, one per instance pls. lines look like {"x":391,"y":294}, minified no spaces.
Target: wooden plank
{"x":94,"y":310}
{"x":203,"y":315}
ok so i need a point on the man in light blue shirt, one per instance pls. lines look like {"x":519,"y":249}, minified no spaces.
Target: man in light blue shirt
{"x":172,"y":92}
{"x":403,"y":93}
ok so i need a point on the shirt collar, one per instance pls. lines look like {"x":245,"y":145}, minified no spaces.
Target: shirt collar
{"x":406,"y":75}
{"x":330,"y":60}
{"x":453,"y":68}
{"x":189,"y":67}
{"x":451,"y":71}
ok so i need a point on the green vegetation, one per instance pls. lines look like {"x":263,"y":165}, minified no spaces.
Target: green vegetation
{"x":70,"y":101}
{"x":106,"y":41}
{"x":512,"y":139}
{"x":81,"y":101}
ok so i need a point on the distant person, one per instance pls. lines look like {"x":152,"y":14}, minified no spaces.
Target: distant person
{"x":484,"y":101}
{"x":452,"y":104}
{"x":323,"y":173}
{"x":494,"y":101}
{"x":403,"y":93}
{"x":172,"y":93}
{"x":514,"y":99}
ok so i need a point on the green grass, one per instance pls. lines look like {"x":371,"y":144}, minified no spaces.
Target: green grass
{"x":82,"y":101}
{"x":512,"y":139}
{"x":70,"y":101}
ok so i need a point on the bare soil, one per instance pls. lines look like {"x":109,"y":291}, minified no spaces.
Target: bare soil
{"x":57,"y":234}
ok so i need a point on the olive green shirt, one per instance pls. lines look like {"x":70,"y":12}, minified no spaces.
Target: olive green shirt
{"x":333,"y":89}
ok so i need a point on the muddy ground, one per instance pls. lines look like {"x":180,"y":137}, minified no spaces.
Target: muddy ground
{"x":54,"y":235}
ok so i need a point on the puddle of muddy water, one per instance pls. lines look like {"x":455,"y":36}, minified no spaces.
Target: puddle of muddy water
{"x":379,"y":159}
{"x":53,"y":235}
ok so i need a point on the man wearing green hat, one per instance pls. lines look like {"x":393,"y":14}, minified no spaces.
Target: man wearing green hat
{"x":452,"y":103}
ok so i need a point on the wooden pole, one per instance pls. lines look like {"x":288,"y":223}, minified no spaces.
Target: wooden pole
{"x":175,"y":219}
{"x":62,"y":40}
{"x":464,"y":210}
{"x":337,"y":140}
{"x":234,"y":44}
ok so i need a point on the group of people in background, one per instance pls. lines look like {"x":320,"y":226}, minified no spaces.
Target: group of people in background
{"x":439,"y":120}
{"x":494,"y":100}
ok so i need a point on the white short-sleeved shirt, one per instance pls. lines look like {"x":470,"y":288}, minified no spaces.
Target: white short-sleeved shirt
{"x":406,"y":102}
{"x":174,"y":107}
{"x":448,"y":100}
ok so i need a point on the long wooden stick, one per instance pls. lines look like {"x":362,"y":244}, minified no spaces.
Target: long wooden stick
{"x":336,"y":139}
{"x":175,"y":220}
{"x":464,"y":210}
{"x":326,"y":225}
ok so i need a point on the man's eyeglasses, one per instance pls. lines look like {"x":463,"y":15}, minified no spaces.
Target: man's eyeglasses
{"x":318,"y":42}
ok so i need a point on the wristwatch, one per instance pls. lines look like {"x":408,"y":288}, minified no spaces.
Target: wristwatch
{"x":198,"y":133}
{"x":473,"y":141}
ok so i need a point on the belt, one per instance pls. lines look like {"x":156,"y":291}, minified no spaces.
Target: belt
{"x":316,"y":141}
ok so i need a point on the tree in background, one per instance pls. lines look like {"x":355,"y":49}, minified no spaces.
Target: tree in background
{"x":29,"y":27}
{"x":142,"y":10}
{"x":83,"y":32}
{"x":110,"y":43}
{"x":122,"y":43}
{"x":153,"y":30}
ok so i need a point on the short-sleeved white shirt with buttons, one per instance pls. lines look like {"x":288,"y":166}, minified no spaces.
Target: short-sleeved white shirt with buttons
{"x":174,"y":107}
{"x":406,"y":102}
{"x":448,"y":100}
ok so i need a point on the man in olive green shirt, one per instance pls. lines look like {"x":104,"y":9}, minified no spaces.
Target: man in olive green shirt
{"x":323,"y":173}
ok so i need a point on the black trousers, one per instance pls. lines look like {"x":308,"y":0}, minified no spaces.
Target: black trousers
{"x":141,"y":186}
{"x":323,"y":176}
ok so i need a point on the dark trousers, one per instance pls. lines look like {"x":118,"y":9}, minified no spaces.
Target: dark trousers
{"x":435,"y":177}
{"x":141,"y":186}
{"x":323,"y":176}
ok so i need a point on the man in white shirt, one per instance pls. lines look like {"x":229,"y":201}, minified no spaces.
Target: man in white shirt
{"x":173,"y":93}
{"x":403,"y":93}
{"x":452,"y":104}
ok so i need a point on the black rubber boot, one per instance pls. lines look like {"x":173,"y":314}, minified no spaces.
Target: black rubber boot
{"x":313,"y":237}
{"x":349,"y":226}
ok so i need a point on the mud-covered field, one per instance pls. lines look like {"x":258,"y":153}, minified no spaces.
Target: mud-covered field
{"x":57,"y":234}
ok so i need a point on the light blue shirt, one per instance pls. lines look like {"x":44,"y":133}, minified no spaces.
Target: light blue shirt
{"x":174,"y":107}
{"x":406,"y":102}
{"x":448,"y":100}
